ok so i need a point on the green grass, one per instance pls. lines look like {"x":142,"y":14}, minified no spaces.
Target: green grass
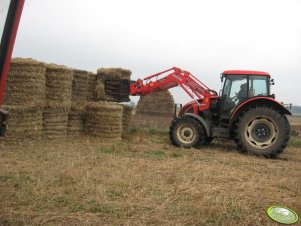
{"x":159,"y":154}
{"x":295,"y":142}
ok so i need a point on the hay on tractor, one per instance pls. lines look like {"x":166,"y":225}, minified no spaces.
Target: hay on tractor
{"x":108,"y":87}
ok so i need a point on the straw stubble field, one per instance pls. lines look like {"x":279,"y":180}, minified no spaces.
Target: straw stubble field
{"x":143,"y":180}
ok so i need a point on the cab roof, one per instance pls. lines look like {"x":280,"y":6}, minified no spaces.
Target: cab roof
{"x":243,"y":72}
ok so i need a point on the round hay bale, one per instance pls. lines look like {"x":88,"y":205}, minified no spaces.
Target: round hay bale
{"x":160,"y":104}
{"x":79,"y":85}
{"x":25,"y":84}
{"x":126,"y":120}
{"x":76,"y":119}
{"x":103,"y":120}
{"x":55,"y":122}
{"x":156,"y":110}
{"x":58,"y":86}
{"x":23,"y":123}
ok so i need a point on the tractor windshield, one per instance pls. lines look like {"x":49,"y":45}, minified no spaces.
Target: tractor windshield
{"x":238,"y":88}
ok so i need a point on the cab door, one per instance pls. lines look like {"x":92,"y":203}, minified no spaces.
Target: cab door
{"x":234,"y":92}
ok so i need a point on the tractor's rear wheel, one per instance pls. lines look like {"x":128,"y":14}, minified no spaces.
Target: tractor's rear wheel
{"x":187,"y":132}
{"x":262,"y":131}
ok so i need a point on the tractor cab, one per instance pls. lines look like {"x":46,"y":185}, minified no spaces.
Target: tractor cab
{"x":240,"y":86}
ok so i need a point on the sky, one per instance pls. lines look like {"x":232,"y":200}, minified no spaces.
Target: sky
{"x":203,"y":37}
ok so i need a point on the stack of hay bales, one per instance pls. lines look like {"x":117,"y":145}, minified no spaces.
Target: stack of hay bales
{"x":103,"y":120}
{"x":156,"y":110}
{"x":24,"y":98}
{"x":58,"y":96}
{"x":80,"y":85}
{"x":51,"y":100}
{"x":108,"y":79}
{"x":126,"y":120}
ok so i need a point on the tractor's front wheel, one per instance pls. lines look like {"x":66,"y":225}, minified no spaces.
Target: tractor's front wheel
{"x":262,"y":131}
{"x":187,"y":132}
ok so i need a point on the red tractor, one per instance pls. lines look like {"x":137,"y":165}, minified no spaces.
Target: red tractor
{"x":245,"y":111}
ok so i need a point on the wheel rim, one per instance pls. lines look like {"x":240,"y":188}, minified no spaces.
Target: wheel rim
{"x":261,"y":132}
{"x":186,"y":134}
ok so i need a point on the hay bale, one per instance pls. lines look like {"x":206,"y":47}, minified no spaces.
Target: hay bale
{"x":23,"y":123}
{"x":103,"y":120}
{"x":58,"y":86}
{"x":155,"y":111}
{"x":107,"y":92}
{"x":76,"y":118}
{"x":55,"y":121}
{"x":160,"y":104}
{"x":25,"y":84}
{"x":92,"y":80}
{"x":58,"y":95}
{"x":126,"y":119}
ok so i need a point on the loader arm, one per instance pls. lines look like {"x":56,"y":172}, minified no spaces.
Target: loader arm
{"x":175,"y":77}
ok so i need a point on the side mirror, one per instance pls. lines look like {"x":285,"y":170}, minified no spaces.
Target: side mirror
{"x":272,"y":82}
{"x":222,"y":78}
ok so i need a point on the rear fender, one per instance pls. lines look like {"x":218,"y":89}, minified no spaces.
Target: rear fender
{"x":258,"y":101}
{"x":202,"y":121}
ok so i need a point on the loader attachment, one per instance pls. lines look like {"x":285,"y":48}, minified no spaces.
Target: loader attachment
{"x":120,"y":89}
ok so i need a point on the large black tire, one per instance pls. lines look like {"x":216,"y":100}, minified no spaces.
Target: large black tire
{"x":262,"y":131}
{"x":187,"y":132}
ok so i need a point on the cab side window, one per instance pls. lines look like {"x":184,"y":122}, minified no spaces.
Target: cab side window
{"x":258,"y":86}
